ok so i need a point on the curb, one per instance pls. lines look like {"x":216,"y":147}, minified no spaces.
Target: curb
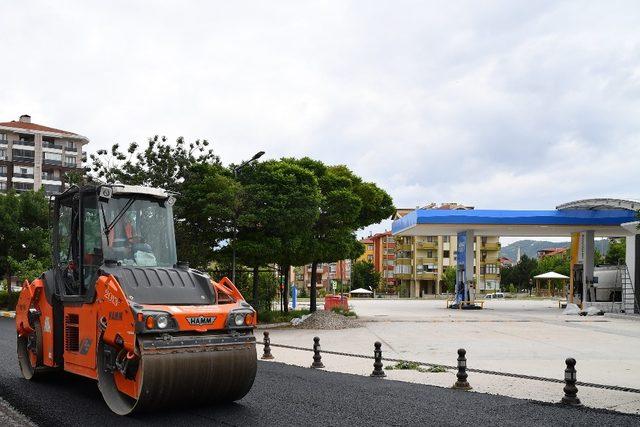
{"x":272,"y":325}
{"x":630,"y":316}
{"x":9,"y":314}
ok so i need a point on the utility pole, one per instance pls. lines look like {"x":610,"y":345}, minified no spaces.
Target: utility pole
{"x":235,"y":214}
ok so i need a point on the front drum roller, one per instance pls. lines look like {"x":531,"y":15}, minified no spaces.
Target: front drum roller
{"x":178,"y":377}
{"x":30,"y":352}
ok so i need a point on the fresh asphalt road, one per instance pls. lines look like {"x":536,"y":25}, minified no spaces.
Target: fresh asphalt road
{"x":288,"y":395}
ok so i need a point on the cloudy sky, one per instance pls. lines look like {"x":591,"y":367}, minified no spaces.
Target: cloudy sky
{"x":498,"y":104}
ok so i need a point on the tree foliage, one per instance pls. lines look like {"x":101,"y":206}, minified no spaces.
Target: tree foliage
{"x":616,"y":254}
{"x":207,"y":191}
{"x":24,"y":234}
{"x":365,"y":276}
{"x":449,"y":279}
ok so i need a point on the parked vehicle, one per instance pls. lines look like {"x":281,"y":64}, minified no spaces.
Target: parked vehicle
{"x":495,"y":295}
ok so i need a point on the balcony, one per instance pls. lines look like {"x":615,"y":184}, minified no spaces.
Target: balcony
{"x":52,"y":162}
{"x":426,"y":245}
{"x":403,"y":261}
{"x":404,"y":276}
{"x":23,"y":159}
{"x":25,"y":143}
{"x":491,"y":246}
{"x":425,"y":260}
{"x":403,"y":247}
{"x":23,"y":175}
{"x":70,"y":165}
{"x":71,"y":149}
{"x":3,"y":142}
{"x":429,"y":275}
{"x":51,"y":145}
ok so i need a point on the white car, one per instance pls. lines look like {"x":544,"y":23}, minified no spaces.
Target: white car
{"x":495,"y":295}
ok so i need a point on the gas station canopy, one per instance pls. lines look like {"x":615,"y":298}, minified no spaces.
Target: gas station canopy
{"x":560,"y":222}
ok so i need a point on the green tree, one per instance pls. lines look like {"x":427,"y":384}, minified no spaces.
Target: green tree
{"x":616,"y":254}
{"x":347,"y":204}
{"x":524,"y":272}
{"x":557,"y":263}
{"x":365,"y":276}
{"x":207,"y":191}
{"x":24,"y":234}
{"x":280,"y":204}
{"x":449,"y":278}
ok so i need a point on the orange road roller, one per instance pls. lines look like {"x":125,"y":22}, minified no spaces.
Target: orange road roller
{"x":119,"y":308}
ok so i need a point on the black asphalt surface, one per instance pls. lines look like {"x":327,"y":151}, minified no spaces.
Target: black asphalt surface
{"x":286,"y":395}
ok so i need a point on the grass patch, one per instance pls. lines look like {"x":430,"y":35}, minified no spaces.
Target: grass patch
{"x":342,"y":311}
{"x":413,"y":366}
{"x":280,"y":317}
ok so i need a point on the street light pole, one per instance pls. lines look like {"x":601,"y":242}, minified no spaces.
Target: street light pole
{"x":235,"y":214}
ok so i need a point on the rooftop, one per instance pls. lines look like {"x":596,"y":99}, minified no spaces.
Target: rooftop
{"x":24,"y":124}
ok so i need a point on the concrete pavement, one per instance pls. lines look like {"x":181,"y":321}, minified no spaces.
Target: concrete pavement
{"x":529,"y":337}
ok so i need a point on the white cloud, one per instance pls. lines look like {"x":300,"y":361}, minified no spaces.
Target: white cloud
{"x":500,"y":104}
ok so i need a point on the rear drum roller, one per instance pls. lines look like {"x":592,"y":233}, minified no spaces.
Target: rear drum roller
{"x":30,"y":352}
{"x":181,"y":377}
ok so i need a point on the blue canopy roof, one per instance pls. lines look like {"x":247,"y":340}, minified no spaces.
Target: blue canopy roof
{"x":568,"y":217}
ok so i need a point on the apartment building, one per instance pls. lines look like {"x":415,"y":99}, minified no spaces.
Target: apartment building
{"x":420,"y":261}
{"x":326,"y":274}
{"x":34,"y":156}
{"x":384,"y":256}
{"x":368,"y":254}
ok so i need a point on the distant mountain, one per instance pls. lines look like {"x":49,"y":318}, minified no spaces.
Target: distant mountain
{"x":531,"y":247}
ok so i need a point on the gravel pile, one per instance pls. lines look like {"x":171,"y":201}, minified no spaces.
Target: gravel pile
{"x":328,"y":320}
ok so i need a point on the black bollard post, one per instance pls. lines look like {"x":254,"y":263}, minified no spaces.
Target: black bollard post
{"x":317,"y":358}
{"x":462,"y":383}
{"x":570,"y":389}
{"x":267,"y":347}
{"x":377,"y":361}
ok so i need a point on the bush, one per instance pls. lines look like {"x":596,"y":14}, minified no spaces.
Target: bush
{"x":8,"y":302}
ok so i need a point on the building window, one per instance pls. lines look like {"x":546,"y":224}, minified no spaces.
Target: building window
{"x":48,"y":176}
{"x":3,"y":137}
{"x":445,"y":254}
{"x":3,"y":154}
{"x":445,"y":239}
{"x":71,"y":145}
{"x":429,"y":253}
{"x":23,"y":155}
{"x":370,"y":258}
{"x":3,"y":171}
{"x":3,"y":186}
{"x":70,"y":161}
{"x":369,"y":247}
{"x":430,"y":239}
{"x":53,"y":158}
{"x":22,"y":186}
{"x":390,"y":240}
{"x":22,"y":172}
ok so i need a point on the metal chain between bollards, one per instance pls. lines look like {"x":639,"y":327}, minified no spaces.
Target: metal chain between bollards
{"x":474,"y":370}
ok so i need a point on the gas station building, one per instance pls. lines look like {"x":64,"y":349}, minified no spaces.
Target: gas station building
{"x":582,"y":221}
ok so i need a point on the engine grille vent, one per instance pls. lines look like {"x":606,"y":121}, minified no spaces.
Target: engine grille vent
{"x":71,"y":332}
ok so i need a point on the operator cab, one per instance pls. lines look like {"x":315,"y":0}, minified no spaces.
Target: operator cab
{"x":110,"y":225}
